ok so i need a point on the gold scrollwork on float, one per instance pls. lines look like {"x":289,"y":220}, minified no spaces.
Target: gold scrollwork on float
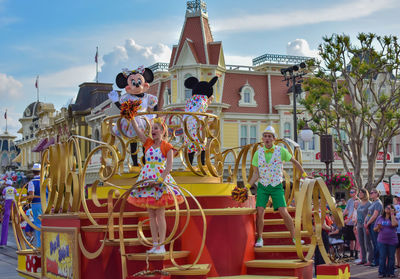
{"x":311,"y":203}
{"x":207,"y":134}
{"x":64,"y":171}
{"x":173,"y":235}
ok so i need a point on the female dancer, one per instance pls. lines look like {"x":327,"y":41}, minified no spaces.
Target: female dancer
{"x":154,"y":195}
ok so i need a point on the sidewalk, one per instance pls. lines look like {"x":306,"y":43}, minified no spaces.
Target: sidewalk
{"x":8,"y":258}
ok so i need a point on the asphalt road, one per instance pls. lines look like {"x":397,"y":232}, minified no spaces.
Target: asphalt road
{"x":8,"y":258}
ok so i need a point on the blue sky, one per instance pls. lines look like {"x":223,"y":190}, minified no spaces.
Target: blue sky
{"x":57,"y":39}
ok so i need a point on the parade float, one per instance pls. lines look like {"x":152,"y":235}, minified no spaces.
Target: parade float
{"x":90,"y":231}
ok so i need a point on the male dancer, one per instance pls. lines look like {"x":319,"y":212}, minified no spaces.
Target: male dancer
{"x":9,"y":193}
{"x":34,"y":196}
{"x":268,"y":171}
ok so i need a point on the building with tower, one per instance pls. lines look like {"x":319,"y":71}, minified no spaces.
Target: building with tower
{"x":247,"y":98}
{"x":8,"y":152}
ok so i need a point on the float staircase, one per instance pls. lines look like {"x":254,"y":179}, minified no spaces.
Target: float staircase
{"x":135,"y":257}
{"x":277,"y":259}
{"x":278,"y":256}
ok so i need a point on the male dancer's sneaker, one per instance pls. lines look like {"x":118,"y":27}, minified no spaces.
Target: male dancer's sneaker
{"x":294,"y":241}
{"x":259,"y":243}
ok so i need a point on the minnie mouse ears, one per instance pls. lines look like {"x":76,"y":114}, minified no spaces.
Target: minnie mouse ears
{"x":121,"y":78}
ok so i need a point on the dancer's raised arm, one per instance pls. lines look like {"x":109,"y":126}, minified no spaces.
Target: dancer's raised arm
{"x":139,"y":132}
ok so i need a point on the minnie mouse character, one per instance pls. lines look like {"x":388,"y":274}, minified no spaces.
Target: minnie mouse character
{"x":202,"y":96}
{"x":135,"y":82}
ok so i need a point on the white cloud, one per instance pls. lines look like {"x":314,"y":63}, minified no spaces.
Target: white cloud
{"x":238,"y":60}
{"x":338,"y":12}
{"x":10,"y":88}
{"x":300,"y":47}
{"x":131,"y":55}
{"x":67,"y":78}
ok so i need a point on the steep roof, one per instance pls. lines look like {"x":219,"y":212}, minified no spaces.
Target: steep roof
{"x":197,"y":32}
{"x":214,"y":50}
{"x":90,"y":95}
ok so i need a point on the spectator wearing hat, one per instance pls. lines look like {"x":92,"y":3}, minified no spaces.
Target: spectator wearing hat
{"x":34,"y":196}
{"x":267,"y":167}
{"x":374,"y":210}
{"x":9,"y":193}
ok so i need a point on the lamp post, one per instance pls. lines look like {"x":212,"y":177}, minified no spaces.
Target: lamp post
{"x":294,"y":75}
{"x":306,"y":134}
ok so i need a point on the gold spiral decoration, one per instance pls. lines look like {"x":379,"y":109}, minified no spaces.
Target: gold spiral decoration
{"x":311,"y":201}
{"x":172,"y":237}
{"x":63,"y":180}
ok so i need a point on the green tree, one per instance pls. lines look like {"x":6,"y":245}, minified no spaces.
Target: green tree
{"x":355,"y":95}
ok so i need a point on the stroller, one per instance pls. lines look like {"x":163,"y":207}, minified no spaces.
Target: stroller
{"x":336,"y":244}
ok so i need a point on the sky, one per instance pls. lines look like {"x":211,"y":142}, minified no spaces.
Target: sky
{"x":57,"y":40}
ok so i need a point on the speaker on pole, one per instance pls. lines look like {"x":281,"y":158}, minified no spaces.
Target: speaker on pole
{"x":326,"y":147}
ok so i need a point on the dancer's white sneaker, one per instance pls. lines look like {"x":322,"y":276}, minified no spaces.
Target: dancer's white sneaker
{"x":152,"y":250}
{"x":159,"y":250}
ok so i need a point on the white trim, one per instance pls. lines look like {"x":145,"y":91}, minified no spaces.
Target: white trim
{"x":204,"y":38}
{"x":246,"y":116}
{"x":252,"y":102}
{"x":269,"y":94}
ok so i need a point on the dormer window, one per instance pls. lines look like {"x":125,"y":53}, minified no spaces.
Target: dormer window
{"x":247,"y":96}
{"x":167,"y":96}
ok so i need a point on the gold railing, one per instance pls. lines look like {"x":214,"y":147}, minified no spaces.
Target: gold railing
{"x":63,"y":177}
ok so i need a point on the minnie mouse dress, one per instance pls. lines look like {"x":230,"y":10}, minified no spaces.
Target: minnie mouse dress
{"x":197,"y":103}
{"x":146,"y":196}
{"x":147,"y":101}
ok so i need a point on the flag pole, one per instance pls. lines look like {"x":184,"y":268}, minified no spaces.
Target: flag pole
{"x":97,"y":64}
{"x":37,"y":87}
{"x":6,"y":121}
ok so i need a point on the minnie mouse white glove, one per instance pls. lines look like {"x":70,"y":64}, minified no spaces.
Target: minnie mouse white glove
{"x":113,"y":96}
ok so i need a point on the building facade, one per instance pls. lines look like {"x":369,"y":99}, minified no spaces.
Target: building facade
{"x":8,"y":152}
{"x":247,"y":98}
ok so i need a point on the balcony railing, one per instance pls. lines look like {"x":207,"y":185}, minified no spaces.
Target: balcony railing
{"x":159,"y":66}
{"x":279,"y":59}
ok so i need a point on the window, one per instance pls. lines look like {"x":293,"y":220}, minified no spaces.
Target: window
{"x":167,"y":96}
{"x":311,"y":144}
{"x":247,"y":96}
{"x":243,"y":135}
{"x":253,"y":134}
{"x":343,"y":137}
{"x":188,"y":92}
{"x":301,"y":143}
{"x":286,"y":130}
{"x":248,"y":134}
